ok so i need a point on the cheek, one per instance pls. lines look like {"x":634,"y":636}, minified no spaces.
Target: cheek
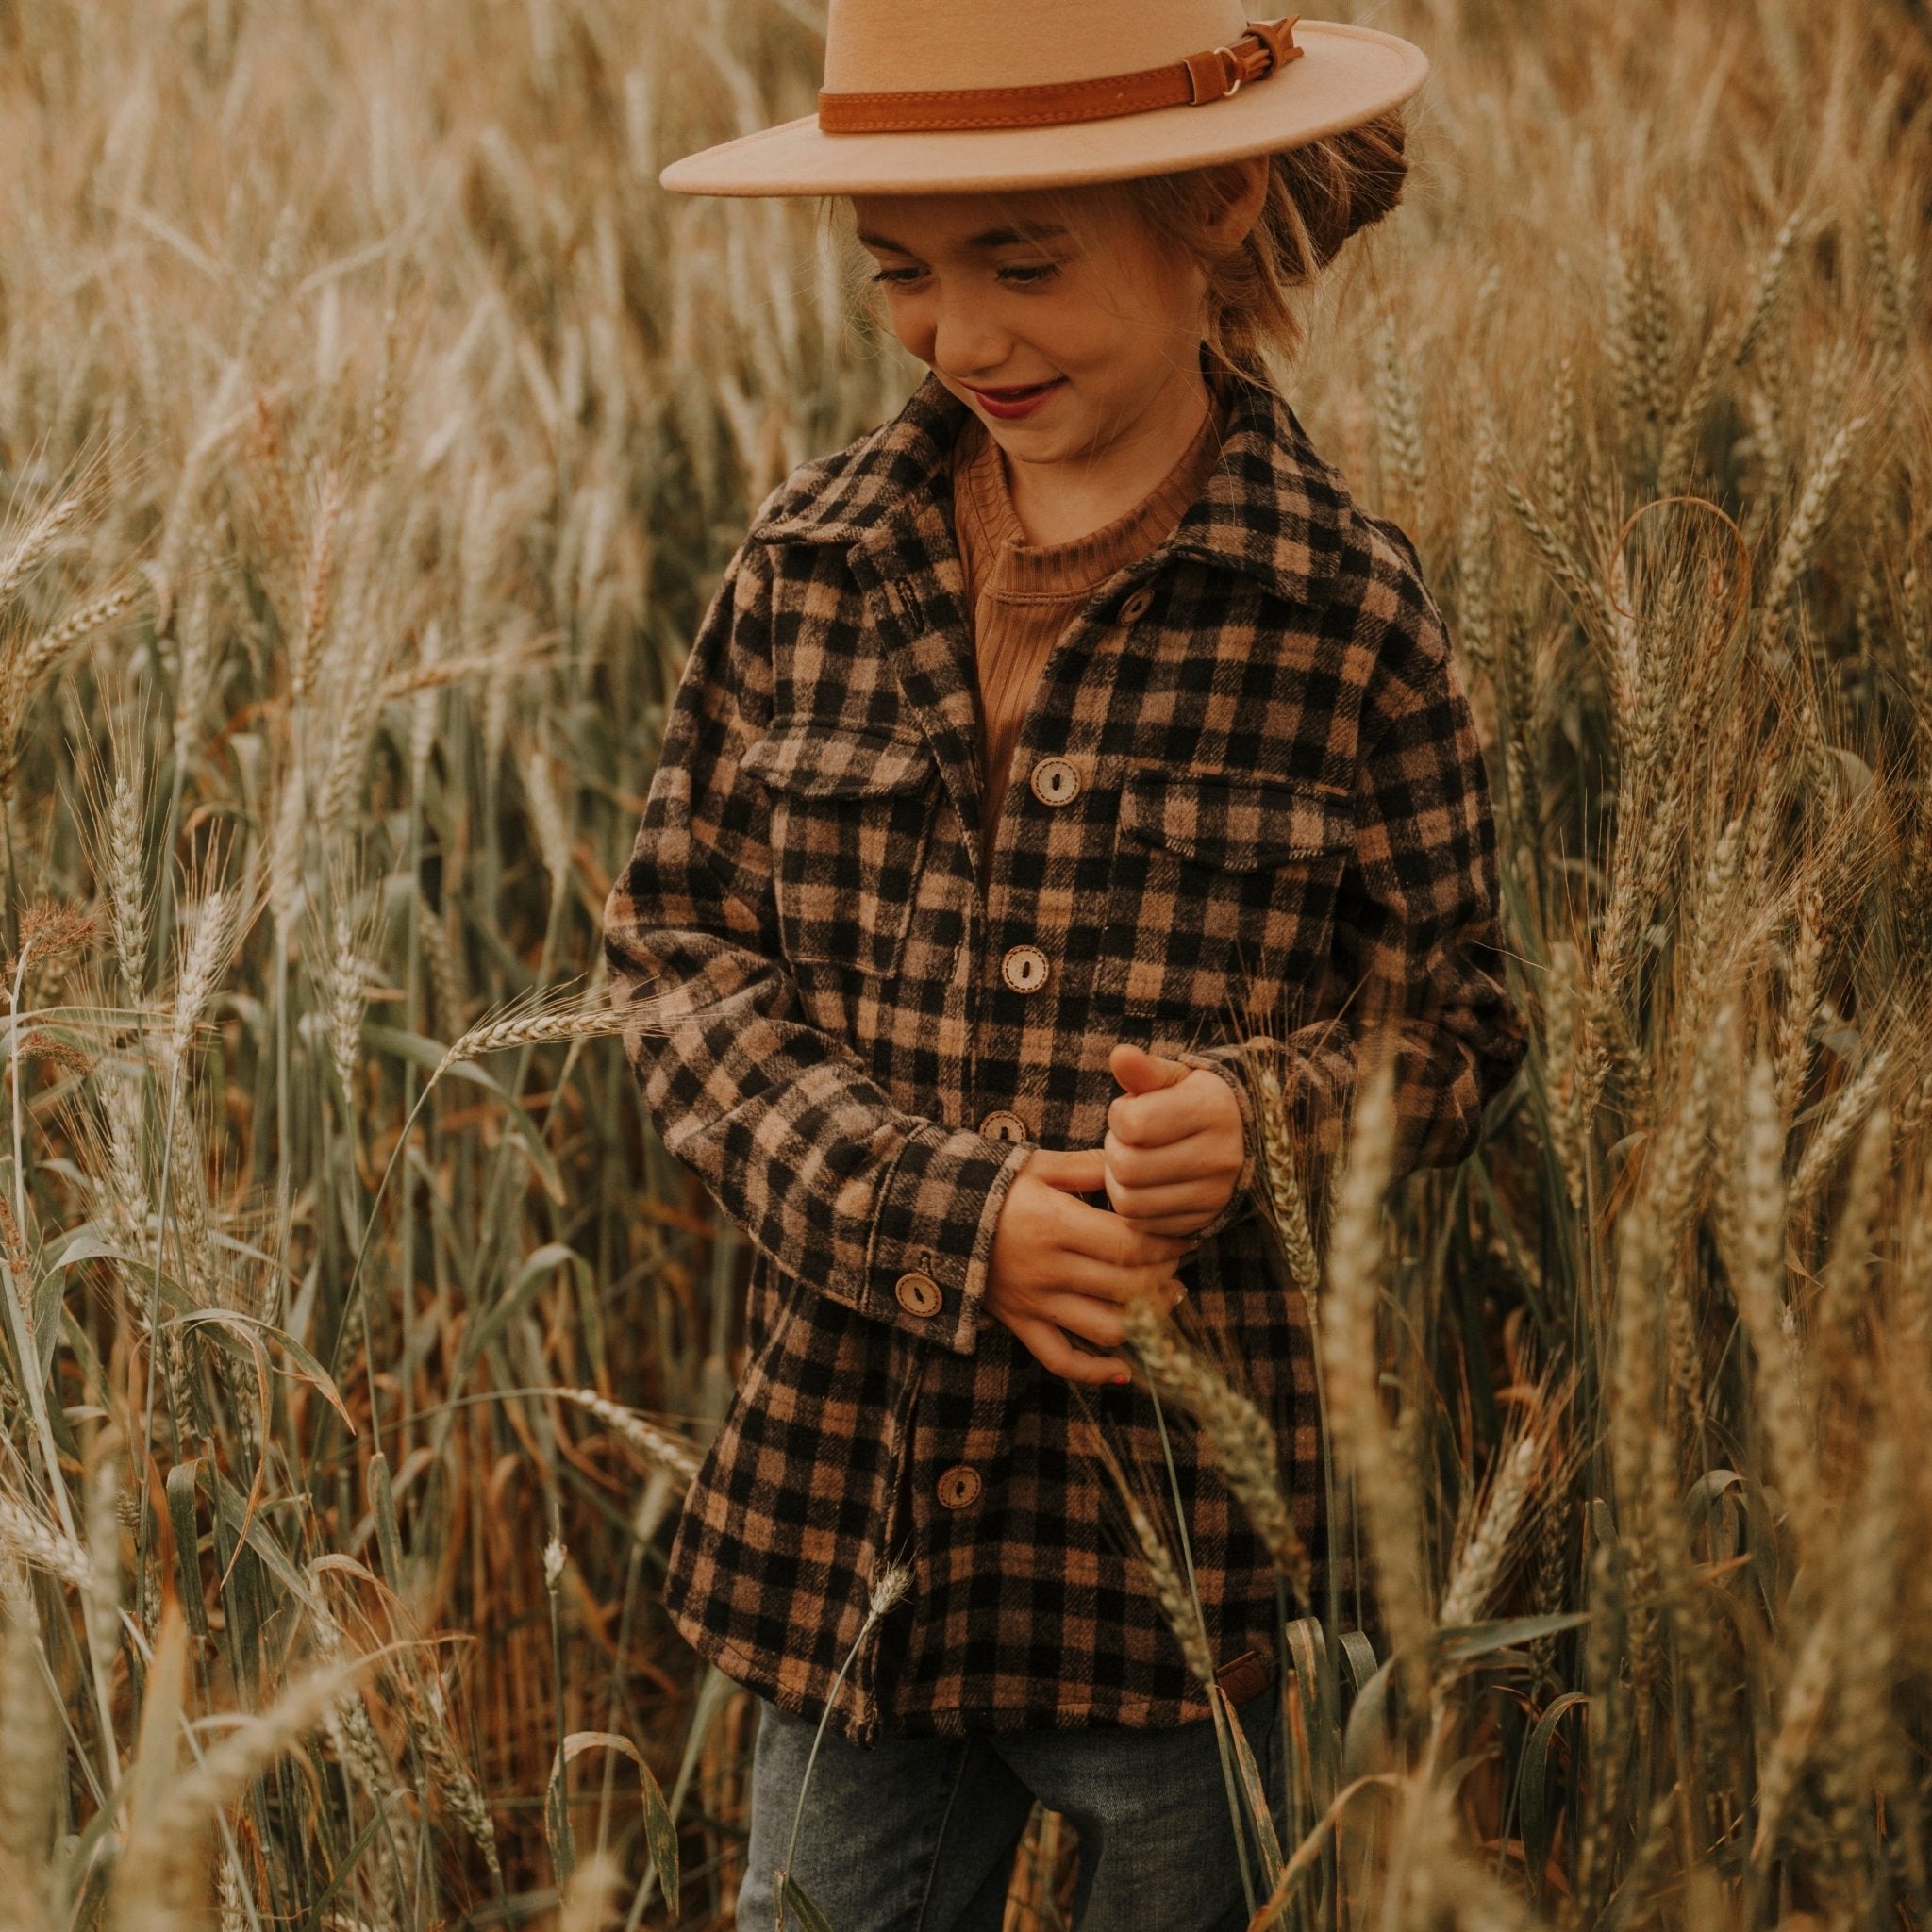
{"x":1120,"y":341}
{"x":1083,"y":339}
{"x":912,"y":324}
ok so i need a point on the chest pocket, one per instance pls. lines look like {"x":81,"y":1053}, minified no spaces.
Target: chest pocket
{"x":1222,"y":893}
{"x":851,"y":813}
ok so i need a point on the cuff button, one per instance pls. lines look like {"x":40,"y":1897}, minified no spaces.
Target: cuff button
{"x":919,"y":1294}
{"x":1002,"y":1124}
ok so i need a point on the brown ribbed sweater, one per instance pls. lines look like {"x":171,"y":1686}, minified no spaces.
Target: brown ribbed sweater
{"x":1023,"y":595}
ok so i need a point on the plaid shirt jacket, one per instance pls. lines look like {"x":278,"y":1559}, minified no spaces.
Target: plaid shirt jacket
{"x":1248,"y":775}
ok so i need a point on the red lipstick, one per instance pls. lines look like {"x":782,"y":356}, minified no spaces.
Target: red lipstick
{"x":1010,"y":405}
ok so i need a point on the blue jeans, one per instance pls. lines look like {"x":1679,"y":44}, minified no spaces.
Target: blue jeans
{"x":919,"y":1834}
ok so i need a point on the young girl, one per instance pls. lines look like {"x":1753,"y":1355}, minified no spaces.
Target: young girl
{"x":1023,"y":736}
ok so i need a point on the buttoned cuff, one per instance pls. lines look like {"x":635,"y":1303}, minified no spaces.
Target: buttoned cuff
{"x":1229,"y":1062}
{"x":931,"y":1248}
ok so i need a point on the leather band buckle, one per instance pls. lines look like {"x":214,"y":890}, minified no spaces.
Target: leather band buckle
{"x":1267,"y":45}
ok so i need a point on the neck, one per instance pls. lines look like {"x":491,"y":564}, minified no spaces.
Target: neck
{"x":1062,"y":501}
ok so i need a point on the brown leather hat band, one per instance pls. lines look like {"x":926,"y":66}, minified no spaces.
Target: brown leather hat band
{"x":1266,"y":48}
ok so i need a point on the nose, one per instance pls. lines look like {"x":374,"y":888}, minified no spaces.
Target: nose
{"x":968,"y":344}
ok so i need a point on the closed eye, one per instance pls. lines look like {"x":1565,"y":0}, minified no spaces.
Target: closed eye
{"x":1021,"y":276}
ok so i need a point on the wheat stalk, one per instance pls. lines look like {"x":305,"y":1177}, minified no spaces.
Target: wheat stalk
{"x":30,"y":1746}
{"x":1758,"y":1281}
{"x":1800,"y":1010}
{"x":448,"y":1773}
{"x":155,"y":1880}
{"x":1250,"y":1461}
{"x":30,"y":1540}
{"x":31,"y":548}
{"x":80,"y":624}
{"x":317,"y":583}
{"x":1286,"y":1196}
{"x":662,"y":1449}
{"x":1797,"y":546}
{"x":1487,"y":1551}
{"x":1179,"y":1605}
{"x":1854,"y":1100}
{"x":1350,"y":1356}
{"x":1800,"y":1716}
{"x":535,"y":1029}
{"x":547,"y":814}
{"x":213,"y":925}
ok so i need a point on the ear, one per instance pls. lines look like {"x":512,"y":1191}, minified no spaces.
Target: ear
{"x":1240,"y":193}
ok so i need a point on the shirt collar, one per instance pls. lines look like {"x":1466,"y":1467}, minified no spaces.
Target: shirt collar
{"x":1272,"y":506}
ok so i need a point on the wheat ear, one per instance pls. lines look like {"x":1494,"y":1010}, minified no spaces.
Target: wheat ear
{"x":1249,"y":1460}
{"x":662,"y":1449}
{"x":1286,"y":1194}
{"x":1350,"y":1355}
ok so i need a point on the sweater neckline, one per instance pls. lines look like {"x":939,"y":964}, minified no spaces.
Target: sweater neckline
{"x":1020,"y":569}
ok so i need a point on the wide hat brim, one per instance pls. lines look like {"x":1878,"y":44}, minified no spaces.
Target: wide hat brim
{"x":1348,"y":74}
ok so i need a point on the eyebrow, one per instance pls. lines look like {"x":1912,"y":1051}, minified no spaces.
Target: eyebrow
{"x":992,"y":238}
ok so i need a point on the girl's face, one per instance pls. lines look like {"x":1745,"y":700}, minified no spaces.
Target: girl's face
{"x":1062,"y":326}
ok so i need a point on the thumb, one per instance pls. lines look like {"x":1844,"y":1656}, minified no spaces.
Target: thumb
{"x":1079,"y":1169}
{"x":1141,"y":1072}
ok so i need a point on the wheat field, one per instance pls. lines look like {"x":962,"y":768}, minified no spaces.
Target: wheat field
{"x":372,"y":432}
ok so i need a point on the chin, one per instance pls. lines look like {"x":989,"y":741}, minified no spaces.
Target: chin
{"x":1034,"y":445}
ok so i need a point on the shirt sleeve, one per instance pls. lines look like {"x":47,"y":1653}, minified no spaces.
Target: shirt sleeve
{"x":1419,"y":936}
{"x":780,"y":1121}
{"x":1417,"y":950}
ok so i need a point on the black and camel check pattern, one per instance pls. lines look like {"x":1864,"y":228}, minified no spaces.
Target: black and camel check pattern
{"x":1280,"y":809}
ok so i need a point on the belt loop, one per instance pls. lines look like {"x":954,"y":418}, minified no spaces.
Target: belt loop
{"x":1205,"y":76}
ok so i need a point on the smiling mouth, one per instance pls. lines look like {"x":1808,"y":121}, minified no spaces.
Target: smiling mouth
{"x":1014,"y":395}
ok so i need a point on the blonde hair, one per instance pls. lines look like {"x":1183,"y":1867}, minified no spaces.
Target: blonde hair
{"x":1318,"y":196}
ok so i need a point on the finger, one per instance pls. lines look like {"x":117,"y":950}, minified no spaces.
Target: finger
{"x":1078,"y":1274}
{"x":1188,"y":1223}
{"x":1144,"y":1207}
{"x":1120,"y":1245}
{"x":1078,"y":1171}
{"x":1191,"y":1156}
{"x":1106,"y":1321}
{"x":1141,"y":1072}
{"x":1101,"y":1323}
{"x":1074,"y":1227}
{"x":1056,"y":1354}
{"x":1171,"y":1113}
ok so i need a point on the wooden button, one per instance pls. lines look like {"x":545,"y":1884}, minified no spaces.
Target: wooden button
{"x":919,"y":1294}
{"x":959,"y":1487}
{"x":1003,"y":1124}
{"x":1137,"y":607}
{"x":1024,"y":969}
{"x":1056,"y":782}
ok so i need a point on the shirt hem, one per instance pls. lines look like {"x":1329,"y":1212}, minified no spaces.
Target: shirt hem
{"x":753,"y":1673}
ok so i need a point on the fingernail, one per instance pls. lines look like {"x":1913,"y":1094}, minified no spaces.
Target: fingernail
{"x":1122,"y":1380}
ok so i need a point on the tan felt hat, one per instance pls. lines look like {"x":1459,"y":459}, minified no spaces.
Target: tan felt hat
{"x":936,"y":96}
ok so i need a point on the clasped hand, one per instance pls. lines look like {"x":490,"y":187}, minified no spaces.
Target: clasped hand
{"x":1061,"y":1267}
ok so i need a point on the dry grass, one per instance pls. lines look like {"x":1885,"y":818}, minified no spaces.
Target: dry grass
{"x":373,"y":431}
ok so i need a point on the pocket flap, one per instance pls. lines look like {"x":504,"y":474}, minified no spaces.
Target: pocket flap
{"x":1235,"y":822}
{"x":815,"y":758}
